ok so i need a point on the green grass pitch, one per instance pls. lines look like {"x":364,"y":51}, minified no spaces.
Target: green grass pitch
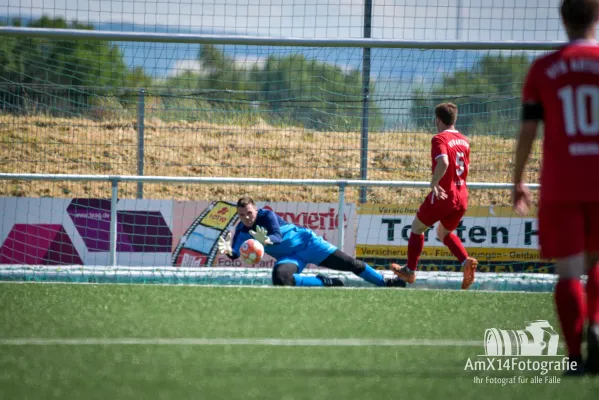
{"x":444,"y":324}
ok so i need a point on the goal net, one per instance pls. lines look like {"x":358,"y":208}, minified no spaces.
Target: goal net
{"x":120,"y":108}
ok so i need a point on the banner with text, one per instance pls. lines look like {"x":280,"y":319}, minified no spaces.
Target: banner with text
{"x":501,"y":240}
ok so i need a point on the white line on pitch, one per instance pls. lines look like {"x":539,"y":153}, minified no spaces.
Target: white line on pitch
{"x":229,"y":342}
{"x":271,"y":287}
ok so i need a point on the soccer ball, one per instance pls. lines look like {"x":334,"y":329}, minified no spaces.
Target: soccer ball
{"x":251,"y":251}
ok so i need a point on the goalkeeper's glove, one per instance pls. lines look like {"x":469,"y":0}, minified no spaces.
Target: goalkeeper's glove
{"x":224,"y":245}
{"x":261,"y":235}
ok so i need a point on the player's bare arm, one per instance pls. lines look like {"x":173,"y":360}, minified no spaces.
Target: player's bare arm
{"x":526,"y":138}
{"x":440,"y":169}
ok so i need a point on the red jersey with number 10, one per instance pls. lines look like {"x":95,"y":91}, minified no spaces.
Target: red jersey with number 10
{"x":457,"y":149}
{"x":565,"y":83}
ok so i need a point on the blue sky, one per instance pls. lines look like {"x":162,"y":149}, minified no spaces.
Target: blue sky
{"x":399,"y":19}
{"x":397,"y":72}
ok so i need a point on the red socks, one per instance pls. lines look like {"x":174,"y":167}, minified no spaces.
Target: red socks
{"x":455,"y":246}
{"x":593,"y":295}
{"x":415,"y":246}
{"x":571,"y":310}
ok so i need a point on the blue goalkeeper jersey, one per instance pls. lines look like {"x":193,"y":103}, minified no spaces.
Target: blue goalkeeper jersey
{"x":287,"y":238}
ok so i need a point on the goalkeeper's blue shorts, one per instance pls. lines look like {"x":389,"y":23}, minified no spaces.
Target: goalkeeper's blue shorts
{"x":316,"y":250}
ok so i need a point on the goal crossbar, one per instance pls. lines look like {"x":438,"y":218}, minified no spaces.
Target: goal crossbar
{"x":119,"y":36}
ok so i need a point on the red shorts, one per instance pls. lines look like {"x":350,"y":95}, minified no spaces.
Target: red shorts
{"x":568,"y":229}
{"x":449,"y":211}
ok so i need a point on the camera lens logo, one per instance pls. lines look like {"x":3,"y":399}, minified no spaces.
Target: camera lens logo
{"x":537,"y":339}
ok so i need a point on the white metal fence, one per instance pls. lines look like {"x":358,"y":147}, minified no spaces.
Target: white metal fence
{"x":340,"y":184}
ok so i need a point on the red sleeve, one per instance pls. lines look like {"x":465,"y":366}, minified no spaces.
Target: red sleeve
{"x":530,"y":89}
{"x":439,"y":147}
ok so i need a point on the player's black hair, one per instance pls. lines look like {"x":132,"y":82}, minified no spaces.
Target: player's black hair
{"x":244,"y":201}
{"x":579,"y":14}
{"x":447,"y":113}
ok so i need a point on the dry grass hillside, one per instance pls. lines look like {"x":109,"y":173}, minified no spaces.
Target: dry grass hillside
{"x":192,"y":149}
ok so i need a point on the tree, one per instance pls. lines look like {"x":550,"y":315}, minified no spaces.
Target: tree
{"x":64,"y":62}
{"x":488,"y":95}
{"x":47,"y":68}
{"x":291,"y":89}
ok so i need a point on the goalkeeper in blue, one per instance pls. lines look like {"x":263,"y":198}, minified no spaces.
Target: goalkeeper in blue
{"x":294,"y":247}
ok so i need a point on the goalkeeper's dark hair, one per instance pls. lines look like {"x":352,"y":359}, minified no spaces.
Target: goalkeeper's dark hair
{"x":447,"y":113}
{"x":244,"y":201}
{"x":579,"y":15}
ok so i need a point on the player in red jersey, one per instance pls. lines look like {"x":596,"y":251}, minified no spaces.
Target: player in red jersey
{"x":562,"y":90}
{"x":448,"y":200}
